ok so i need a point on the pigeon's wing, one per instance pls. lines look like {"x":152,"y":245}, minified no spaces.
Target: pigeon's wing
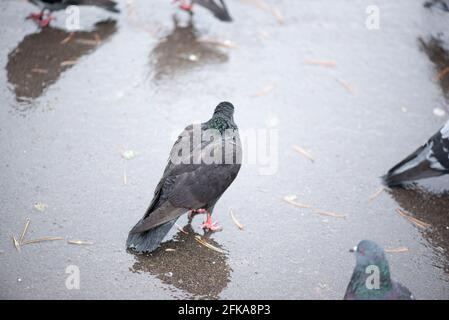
{"x":440,"y":149}
{"x":190,"y":185}
{"x":209,"y":181}
{"x":159,"y":206}
{"x":429,"y":160}
{"x":221,"y":12}
{"x":350,"y":289}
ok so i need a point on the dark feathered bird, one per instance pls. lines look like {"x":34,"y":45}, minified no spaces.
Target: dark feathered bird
{"x":217,"y":7}
{"x":371,"y":278}
{"x":55,"y":5}
{"x":430,"y":160}
{"x":192,"y":181}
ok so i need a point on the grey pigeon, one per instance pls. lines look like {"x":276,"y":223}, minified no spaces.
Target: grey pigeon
{"x":55,"y":5}
{"x":192,"y":185}
{"x":218,"y":8}
{"x":430,"y":160}
{"x":370,"y":263}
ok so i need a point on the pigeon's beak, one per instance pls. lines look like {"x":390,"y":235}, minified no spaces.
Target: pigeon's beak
{"x":353,"y":249}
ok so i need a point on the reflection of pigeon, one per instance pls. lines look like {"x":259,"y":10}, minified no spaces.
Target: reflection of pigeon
{"x":172,"y":263}
{"x":430,"y":160}
{"x":440,"y":4}
{"x":219,"y":11}
{"x":192,"y":181}
{"x":43,"y":50}
{"x":371,"y":276}
{"x":181,"y":50}
{"x":55,"y":5}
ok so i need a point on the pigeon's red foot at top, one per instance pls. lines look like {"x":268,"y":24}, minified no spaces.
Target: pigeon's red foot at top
{"x":184,"y":5}
{"x":208,"y":225}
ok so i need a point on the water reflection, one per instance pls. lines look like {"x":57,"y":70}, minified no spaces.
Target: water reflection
{"x":182,"y":50}
{"x":439,"y":55}
{"x":39,"y":59}
{"x":431,"y":208}
{"x":187,"y":265}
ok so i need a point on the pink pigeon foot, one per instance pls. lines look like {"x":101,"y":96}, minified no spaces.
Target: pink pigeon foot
{"x":208,"y":225}
{"x":36,"y":16}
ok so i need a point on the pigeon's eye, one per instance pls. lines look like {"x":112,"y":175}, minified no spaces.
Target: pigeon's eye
{"x":361,"y":252}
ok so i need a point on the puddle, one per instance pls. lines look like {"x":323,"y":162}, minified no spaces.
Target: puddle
{"x":53,"y":51}
{"x":357,"y":116}
{"x":187,"y":265}
{"x":433,"y":209}
{"x":438,"y":53}
{"x":182,"y":51}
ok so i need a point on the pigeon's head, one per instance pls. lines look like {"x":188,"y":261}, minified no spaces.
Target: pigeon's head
{"x":224,"y":109}
{"x":369,"y":253}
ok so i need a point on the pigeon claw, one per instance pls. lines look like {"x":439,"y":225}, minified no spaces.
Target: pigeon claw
{"x":36,"y":16}
{"x":184,"y":6}
{"x":39,"y":18}
{"x":208,"y":225}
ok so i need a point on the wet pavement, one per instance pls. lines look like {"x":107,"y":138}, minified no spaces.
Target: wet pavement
{"x":71,"y":104}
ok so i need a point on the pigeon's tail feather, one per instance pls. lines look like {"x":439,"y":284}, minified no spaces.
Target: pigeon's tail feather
{"x":224,"y":14}
{"x":220,"y":12}
{"x":150,"y":240}
{"x":104,"y":4}
{"x":415,"y":167}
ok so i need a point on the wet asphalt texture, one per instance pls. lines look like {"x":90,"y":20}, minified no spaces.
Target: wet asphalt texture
{"x":73,"y":102}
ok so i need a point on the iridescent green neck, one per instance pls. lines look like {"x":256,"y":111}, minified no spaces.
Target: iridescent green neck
{"x":221,"y":124}
{"x":359,"y":278}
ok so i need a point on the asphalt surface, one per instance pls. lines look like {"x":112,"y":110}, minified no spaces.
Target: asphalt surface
{"x":72,"y":103}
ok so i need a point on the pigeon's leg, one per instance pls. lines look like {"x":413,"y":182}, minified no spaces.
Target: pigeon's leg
{"x":36,"y":16}
{"x":193,"y":213}
{"x":208,"y":225}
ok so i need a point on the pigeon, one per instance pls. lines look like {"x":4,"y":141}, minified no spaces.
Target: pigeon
{"x":55,"y":5}
{"x":219,"y":11}
{"x":430,"y":160}
{"x":371,"y":263}
{"x":192,"y":182}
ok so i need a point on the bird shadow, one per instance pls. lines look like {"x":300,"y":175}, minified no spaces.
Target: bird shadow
{"x":40,"y":58}
{"x":187,"y":265}
{"x":432,"y":209}
{"x":182,"y":50}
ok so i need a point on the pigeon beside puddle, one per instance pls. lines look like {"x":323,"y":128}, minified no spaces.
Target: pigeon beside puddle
{"x":191,"y":186}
